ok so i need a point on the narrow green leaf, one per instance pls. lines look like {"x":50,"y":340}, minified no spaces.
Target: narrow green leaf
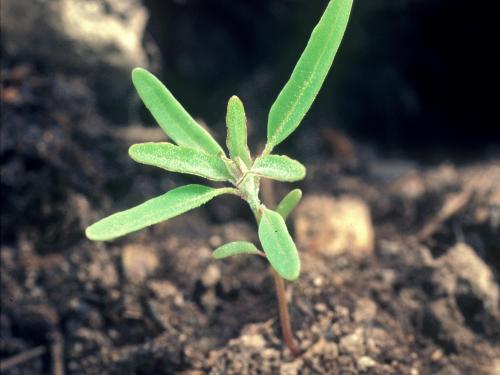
{"x":278,"y":167}
{"x":235,"y":248}
{"x":298,"y":94}
{"x":237,"y":131}
{"x":170,"y":114}
{"x":180,"y":159}
{"x":153,"y":211}
{"x":278,"y":245}
{"x":288,"y":203}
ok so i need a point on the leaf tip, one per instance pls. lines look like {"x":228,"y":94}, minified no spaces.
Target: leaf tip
{"x":90,"y":233}
{"x":292,"y":276}
{"x":132,"y":151}
{"x":234,"y":99}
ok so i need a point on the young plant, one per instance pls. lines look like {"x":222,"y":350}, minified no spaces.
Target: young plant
{"x":195,"y":152}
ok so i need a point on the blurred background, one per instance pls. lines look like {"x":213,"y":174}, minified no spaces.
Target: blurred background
{"x":417,"y":78}
{"x":408,"y":117}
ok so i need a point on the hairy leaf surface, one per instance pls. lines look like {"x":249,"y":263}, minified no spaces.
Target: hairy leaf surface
{"x":278,"y":245}
{"x":180,"y":159}
{"x":237,"y":131}
{"x":235,"y":248}
{"x":308,"y":76}
{"x":278,"y":167}
{"x":289,"y":202}
{"x":170,"y":114}
{"x":153,"y":211}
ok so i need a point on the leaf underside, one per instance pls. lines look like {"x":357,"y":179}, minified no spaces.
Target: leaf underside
{"x":308,"y":76}
{"x":153,"y":211}
{"x":278,"y":167}
{"x":180,"y":159}
{"x":170,"y":115}
{"x":288,"y":203}
{"x":278,"y":245}
{"x":237,"y":131}
{"x":235,"y":248}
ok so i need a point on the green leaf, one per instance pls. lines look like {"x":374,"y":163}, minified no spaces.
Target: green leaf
{"x":278,"y":167}
{"x":298,"y":94}
{"x":180,"y":159}
{"x":278,"y":245}
{"x":237,"y":131}
{"x":235,"y":248}
{"x":170,"y":114}
{"x":153,"y":211}
{"x":288,"y":203}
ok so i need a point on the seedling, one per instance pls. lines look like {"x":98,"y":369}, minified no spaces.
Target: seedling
{"x":194,"y":151}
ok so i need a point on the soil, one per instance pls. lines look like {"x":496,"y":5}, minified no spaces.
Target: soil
{"x":423,"y":301}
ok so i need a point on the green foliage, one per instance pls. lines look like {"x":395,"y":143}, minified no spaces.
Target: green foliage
{"x":278,"y":245}
{"x":180,"y":159}
{"x":278,"y":167}
{"x":196,"y":152}
{"x":153,"y":211}
{"x":289,"y":202}
{"x":235,"y":248}
{"x":170,"y":114}
{"x":297,"y":96}
{"x":236,"y":121}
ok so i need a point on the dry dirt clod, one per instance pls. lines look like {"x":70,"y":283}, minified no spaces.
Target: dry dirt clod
{"x":365,"y":363}
{"x":365,"y":311}
{"x":211,"y":276}
{"x":353,"y":343}
{"x":138,"y":262}
{"x":254,"y":341}
{"x":334,"y":226}
{"x":472,"y":276}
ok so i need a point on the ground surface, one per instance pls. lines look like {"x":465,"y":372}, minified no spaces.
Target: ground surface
{"x":422,"y":300}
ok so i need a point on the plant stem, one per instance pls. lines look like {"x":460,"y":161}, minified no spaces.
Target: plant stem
{"x":286,"y":329}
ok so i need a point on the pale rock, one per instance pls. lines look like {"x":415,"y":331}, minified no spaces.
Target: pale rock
{"x":334,"y":226}
{"x":211,"y":276}
{"x":101,"y":39}
{"x":138,"y":262}
{"x":365,"y":363}
{"x":78,"y":33}
{"x":353,"y":343}
{"x":253,"y":341}
{"x":469,"y":275}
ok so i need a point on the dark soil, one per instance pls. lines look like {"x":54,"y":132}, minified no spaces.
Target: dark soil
{"x":425,"y":301}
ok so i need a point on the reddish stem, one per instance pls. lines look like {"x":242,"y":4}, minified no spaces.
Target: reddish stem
{"x":286,"y":329}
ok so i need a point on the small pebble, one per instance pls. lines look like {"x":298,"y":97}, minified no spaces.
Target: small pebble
{"x":211,"y":276}
{"x":365,"y":362}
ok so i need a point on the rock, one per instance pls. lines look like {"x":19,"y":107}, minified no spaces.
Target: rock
{"x":365,"y":363}
{"x":138,"y":262}
{"x":211,"y":276}
{"x":334,"y":226}
{"x":470,"y":276}
{"x":81,"y":33}
{"x":365,"y":311}
{"x":254,"y":341}
{"x":353,"y":343}
{"x":324,"y":347}
{"x":100,"y":38}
